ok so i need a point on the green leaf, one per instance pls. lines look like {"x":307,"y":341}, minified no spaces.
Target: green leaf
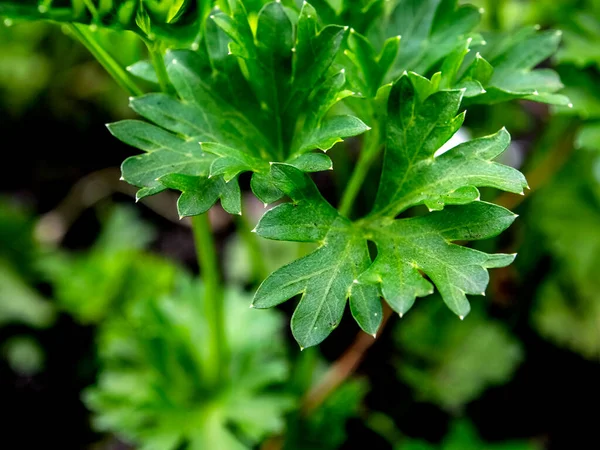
{"x":416,"y":129}
{"x":409,"y":246}
{"x":361,"y":15}
{"x":144,"y":70}
{"x":420,"y":120}
{"x":430,"y":30}
{"x":414,"y":36}
{"x":199,"y":194}
{"x":326,"y":278}
{"x":331,"y":132}
{"x":231,"y":162}
{"x":307,"y":218}
{"x":369,"y":69}
{"x":174,"y":21}
{"x":165,"y":153}
{"x":340,"y":267}
{"x":312,"y":162}
{"x":514,"y":57}
{"x":426,"y":36}
{"x":248,"y":99}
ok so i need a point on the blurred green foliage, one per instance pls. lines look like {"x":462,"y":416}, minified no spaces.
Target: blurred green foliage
{"x":151,"y":342}
{"x":43,"y":62}
{"x":20,"y":301}
{"x":24,"y":70}
{"x":151,"y":388}
{"x":114,"y":271}
{"x":463,"y":436}
{"x":449,"y":362}
{"x":567,"y":308}
{"x":325,"y":428}
{"x":565,"y":214}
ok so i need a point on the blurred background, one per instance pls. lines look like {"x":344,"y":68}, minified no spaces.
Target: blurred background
{"x":99,"y":326}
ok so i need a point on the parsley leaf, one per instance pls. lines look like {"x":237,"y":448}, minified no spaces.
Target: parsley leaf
{"x":408,"y":248}
{"x":510,"y":72}
{"x":418,"y":124}
{"x":171,"y":20}
{"x":438,"y":35}
{"x":249,"y":98}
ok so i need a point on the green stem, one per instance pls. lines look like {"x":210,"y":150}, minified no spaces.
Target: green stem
{"x":250,"y":239}
{"x":87,"y":38}
{"x":156,"y":55}
{"x":367,"y":157}
{"x":92,"y":8}
{"x":213,"y":299}
{"x":495,"y":11}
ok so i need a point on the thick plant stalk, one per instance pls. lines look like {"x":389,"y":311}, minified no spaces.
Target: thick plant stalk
{"x":251,"y":241}
{"x":217,"y":348}
{"x":86,"y":37}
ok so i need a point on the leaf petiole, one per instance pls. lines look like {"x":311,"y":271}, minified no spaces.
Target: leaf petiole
{"x":217,"y":349}
{"x":87,"y":38}
{"x":372,"y":148}
{"x":158,"y":62}
{"x":250,"y":239}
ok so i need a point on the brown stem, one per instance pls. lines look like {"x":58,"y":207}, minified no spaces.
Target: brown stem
{"x":273,"y":443}
{"x":338,"y":372}
{"x":342,"y":368}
